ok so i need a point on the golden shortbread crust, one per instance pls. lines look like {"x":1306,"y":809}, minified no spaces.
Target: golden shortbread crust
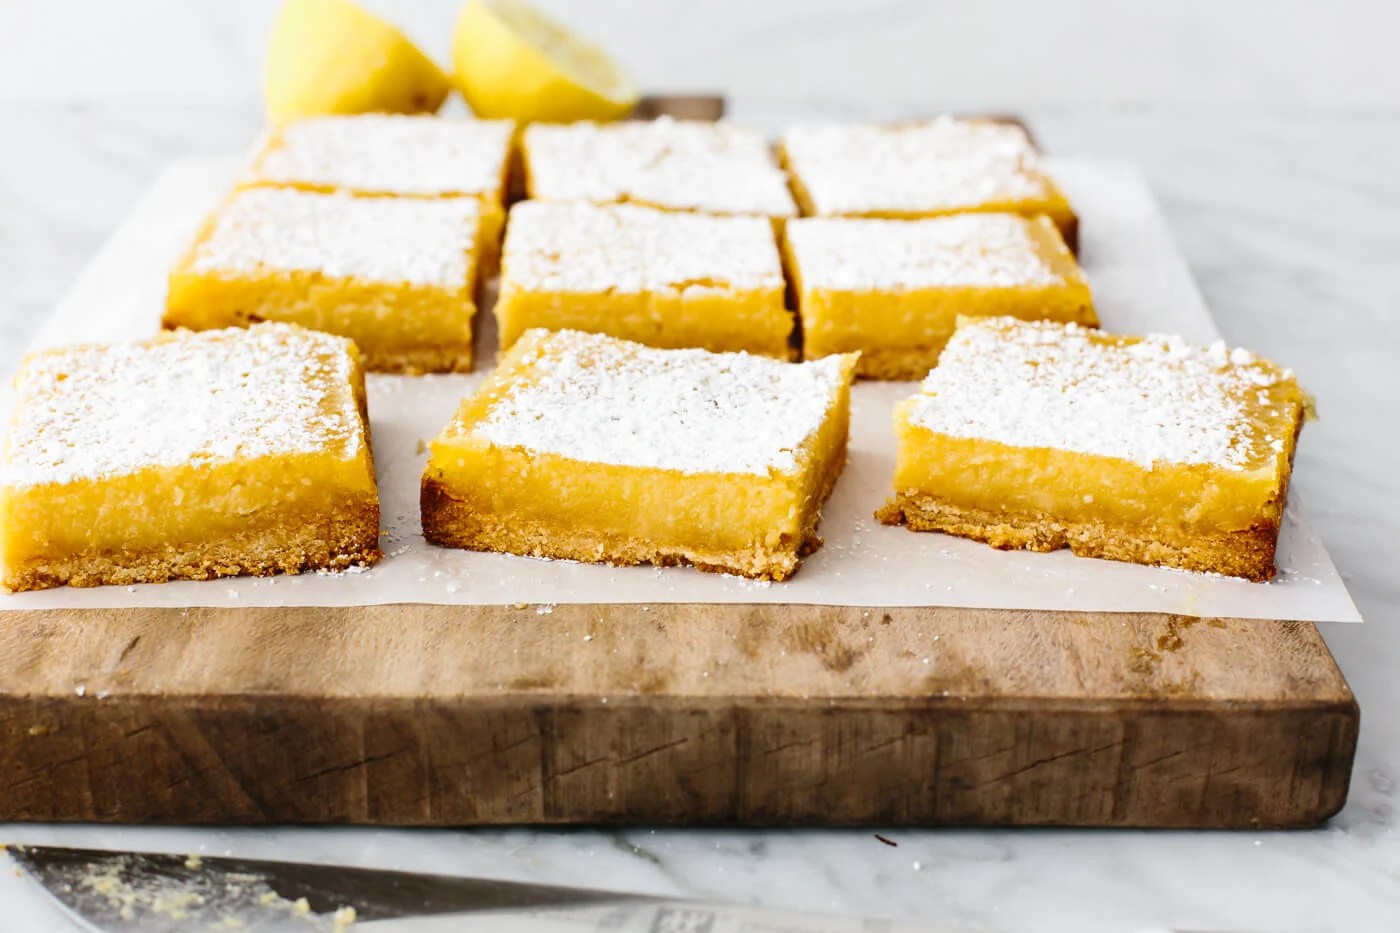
{"x":444,"y":358}
{"x":287,"y":543}
{"x":1248,"y":553}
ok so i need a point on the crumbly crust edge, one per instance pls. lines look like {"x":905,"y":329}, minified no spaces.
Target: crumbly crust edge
{"x":286,"y":544}
{"x":441,"y":358}
{"x":1248,"y":553}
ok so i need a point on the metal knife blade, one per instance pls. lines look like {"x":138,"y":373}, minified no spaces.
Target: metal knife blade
{"x":161,"y":892}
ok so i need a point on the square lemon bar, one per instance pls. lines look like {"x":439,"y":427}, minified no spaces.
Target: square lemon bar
{"x":924,"y":169}
{"x":395,"y":155}
{"x":1040,"y":435}
{"x":660,"y":278}
{"x":678,"y":165}
{"x":397,"y":275}
{"x":190,"y":456}
{"x":586,"y":447}
{"x":894,"y":289}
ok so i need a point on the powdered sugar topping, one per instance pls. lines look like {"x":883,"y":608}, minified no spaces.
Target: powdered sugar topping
{"x":579,"y":247}
{"x":593,"y":398}
{"x":92,"y":412}
{"x":713,"y":167}
{"x":964,"y":250}
{"x":1157,"y":400}
{"x":390,"y":240}
{"x":940,"y":164}
{"x":387,"y":154}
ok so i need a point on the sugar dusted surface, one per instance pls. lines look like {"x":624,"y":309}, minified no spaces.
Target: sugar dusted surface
{"x":93,"y":412}
{"x":682,"y":165}
{"x":967,"y":250}
{"x":945,"y":163}
{"x":1155,"y":400}
{"x":580,"y":247}
{"x":593,"y":398}
{"x":388,"y":240}
{"x":387,"y":154}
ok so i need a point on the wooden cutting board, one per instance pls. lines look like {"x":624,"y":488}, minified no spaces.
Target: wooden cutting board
{"x":759,"y":714}
{"x":695,"y":714}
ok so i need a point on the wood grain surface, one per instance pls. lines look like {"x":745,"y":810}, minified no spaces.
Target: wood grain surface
{"x":682,"y":714}
{"x":435,"y":715}
{"x":680,"y":107}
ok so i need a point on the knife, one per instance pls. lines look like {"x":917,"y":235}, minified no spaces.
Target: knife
{"x":113,"y":891}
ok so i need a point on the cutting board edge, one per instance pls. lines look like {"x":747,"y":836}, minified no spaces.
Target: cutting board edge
{"x":566,"y":760}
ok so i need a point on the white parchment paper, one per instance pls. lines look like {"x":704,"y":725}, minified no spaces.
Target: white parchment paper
{"x":1140,"y":283}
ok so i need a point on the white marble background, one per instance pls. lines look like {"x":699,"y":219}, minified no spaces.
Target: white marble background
{"x":1271,"y":131}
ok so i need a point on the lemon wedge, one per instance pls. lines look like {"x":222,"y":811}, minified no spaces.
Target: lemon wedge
{"x":333,"y":56}
{"x":512,"y":61}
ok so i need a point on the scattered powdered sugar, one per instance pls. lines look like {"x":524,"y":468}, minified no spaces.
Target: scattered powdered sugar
{"x":581,"y":247}
{"x":684,"y":165}
{"x":969,"y":250}
{"x":602,"y":400}
{"x":1152,"y":400}
{"x":858,"y":168}
{"x":92,"y":412}
{"x":387,"y":154}
{"x":394,"y":240}
{"x":353,"y":570}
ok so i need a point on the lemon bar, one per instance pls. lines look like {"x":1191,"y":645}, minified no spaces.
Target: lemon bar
{"x":189,"y":456}
{"x":679,"y":165}
{"x":587,"y":447}
{"x":893,"y":289}
{"x":923,"y":169}
{"x":396,"y":275}
{"x":1040,"y":435}
{"x":396,"y":155}
{"x":657,"y":277}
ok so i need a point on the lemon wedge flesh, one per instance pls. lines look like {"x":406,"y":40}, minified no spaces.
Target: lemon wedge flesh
{"x":512,"y":61}
{"x":333,"y":56}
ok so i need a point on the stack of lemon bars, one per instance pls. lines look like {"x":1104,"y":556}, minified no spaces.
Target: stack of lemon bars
{"x":682,"y":308}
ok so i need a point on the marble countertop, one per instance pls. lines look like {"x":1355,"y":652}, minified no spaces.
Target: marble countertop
{"x":1282,"y":191}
